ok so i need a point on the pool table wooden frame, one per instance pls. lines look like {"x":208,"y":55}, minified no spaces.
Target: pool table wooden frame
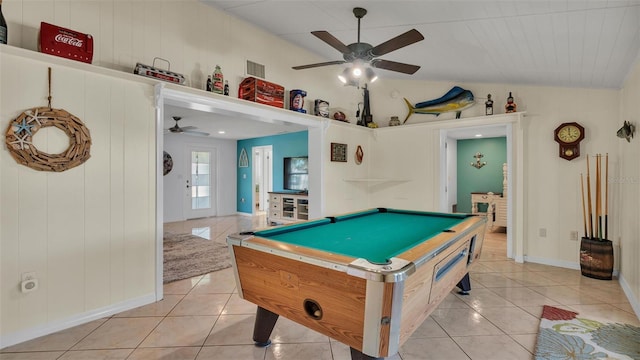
{"x":372,"y":308}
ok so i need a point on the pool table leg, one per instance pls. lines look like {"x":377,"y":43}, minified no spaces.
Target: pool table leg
{"x":464,"y":285}
{"x":265,"y":321}
{"x":357,"y":355}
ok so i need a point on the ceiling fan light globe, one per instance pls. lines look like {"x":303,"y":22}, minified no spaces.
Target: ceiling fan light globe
{"x":357,"y":72}
{"x":345,"y":75}
{"x":371,"y":75}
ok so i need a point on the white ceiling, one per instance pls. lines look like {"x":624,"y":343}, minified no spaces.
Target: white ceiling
{"x":569,"y":43}
{"x":232,"y":126}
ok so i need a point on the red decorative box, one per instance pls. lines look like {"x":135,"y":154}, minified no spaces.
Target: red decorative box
{"x":66,"y":43}
{"x":262,"y":92}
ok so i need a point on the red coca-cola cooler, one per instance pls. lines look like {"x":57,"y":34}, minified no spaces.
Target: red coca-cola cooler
{"x":66,"y":43}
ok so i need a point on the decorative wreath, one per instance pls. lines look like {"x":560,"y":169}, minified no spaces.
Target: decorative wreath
{"x":19,"y":139}
{"x":167,"y":162}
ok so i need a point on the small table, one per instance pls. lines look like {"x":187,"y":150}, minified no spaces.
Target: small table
{"x":491,"y":199}
{"x":367,"y":279}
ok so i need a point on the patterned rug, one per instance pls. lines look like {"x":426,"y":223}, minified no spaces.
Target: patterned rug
{"x":566,"y":335}
{"x":187,"y":255}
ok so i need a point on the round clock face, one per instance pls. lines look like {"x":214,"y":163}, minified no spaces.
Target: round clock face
{"x":569,"y":134}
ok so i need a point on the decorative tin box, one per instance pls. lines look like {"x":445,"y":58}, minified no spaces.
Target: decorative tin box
{"x":262,"y":92}
{"x":66,"y":43}
{"x":157,"y":73}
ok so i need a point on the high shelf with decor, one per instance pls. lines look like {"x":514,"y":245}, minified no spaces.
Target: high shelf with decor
{"x":287,"y":207}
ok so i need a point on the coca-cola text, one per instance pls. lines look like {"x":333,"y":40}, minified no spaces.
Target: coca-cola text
{"x":68,"y":39}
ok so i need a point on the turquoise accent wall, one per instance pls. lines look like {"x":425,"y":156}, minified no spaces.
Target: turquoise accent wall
{"x":285,"y":145}
{"x":486,"y":179}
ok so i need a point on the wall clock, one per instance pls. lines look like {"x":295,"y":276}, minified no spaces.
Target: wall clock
{"x":568,"y":137}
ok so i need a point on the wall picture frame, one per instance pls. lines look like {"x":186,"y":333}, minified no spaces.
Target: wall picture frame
{"x":338,"y":152}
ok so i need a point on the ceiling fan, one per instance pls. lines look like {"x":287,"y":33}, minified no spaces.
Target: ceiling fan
{"x":187,"y":130}
{"x":360,"y":52}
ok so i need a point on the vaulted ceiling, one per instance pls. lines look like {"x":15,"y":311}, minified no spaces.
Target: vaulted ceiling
{"x":569,"y":43}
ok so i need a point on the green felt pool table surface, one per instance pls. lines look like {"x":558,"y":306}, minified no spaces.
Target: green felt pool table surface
{"x":375,"y":235}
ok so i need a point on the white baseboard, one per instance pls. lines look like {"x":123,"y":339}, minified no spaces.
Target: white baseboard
{"x":75,"y":320}
{"x":633,"y":299}
{"x":553,"y":262}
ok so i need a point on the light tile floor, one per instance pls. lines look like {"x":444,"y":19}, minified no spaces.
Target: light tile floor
{"x":203,"y":318}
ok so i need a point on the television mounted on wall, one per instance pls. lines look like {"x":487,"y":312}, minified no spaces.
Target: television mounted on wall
{"x":296,"y":173}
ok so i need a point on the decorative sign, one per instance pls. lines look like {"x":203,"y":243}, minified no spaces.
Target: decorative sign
{"x":359,"y":155}
{"x":243,"y":161}
{"x":338,"y":152}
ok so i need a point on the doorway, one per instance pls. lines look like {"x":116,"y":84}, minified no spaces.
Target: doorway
{"x":200,"y":197}
{"x":448,"y":164}
{"x":262,"y":175}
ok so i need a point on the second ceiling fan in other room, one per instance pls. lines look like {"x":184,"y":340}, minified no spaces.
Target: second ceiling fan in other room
{"x":360,"y":53}
{"x":187,"y":130}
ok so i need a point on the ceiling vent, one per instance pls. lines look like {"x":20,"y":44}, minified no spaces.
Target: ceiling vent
{"x":255,"y":69}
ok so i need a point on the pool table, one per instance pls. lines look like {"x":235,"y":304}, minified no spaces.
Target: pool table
{"x":367,"y":279}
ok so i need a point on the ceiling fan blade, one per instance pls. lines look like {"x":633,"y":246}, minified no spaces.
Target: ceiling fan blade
{"x":301,"y":67}
{"x":196,"y":133}
{"x":394,"y":66}
{"x":400,"y":41}
{"x":331,"y":40}
{"x":188,"y":127}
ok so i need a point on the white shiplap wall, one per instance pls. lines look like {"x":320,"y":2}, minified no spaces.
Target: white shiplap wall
{"x":89,"y":232}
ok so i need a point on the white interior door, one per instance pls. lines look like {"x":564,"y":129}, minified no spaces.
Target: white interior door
{"x":201,"y":189}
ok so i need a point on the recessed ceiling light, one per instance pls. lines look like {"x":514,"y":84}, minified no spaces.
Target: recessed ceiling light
{"x":478,"y":135}
{"x":221,"y":132}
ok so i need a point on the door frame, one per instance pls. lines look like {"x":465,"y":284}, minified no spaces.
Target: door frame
{"x":514,"y":132}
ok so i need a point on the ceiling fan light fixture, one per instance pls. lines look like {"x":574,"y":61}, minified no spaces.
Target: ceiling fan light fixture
{"x":371,"y":75}
{"x":345,"y":76}
{"x":356,"y":72}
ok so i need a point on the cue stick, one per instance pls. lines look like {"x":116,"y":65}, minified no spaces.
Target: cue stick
{"x":606,"y":198}
{"x":589,"y":200}
{"x":598,"y":199}
{"x":584,"y":215}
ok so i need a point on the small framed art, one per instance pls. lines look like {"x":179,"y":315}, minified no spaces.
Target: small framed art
{"x":338,"y":152}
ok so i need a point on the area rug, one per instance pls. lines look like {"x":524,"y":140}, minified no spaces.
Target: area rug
{"x":566,"y":335}
{"x":187,"y":255}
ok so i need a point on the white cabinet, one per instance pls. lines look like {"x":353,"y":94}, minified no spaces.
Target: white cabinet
{"x":287,"y":207}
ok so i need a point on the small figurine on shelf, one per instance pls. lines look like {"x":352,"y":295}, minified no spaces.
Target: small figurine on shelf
{"x":226,"y":87}
{"x":488,"y":106}
{"x":510,"y":106}
{"x":394,"y":121}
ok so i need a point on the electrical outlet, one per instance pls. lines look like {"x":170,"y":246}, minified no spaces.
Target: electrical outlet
{"x":573,"y":235}
{"x":542,"y":232}
{"x":29,"y":282}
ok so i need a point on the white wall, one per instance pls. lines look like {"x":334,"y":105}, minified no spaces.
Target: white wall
{"x":174,"y":183}
{"x":89,"y":232}
{"x":628,"y":194}
{"x":345,"y":183}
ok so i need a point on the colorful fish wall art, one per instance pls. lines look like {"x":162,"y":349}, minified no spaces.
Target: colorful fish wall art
{"x":456,"y":99}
